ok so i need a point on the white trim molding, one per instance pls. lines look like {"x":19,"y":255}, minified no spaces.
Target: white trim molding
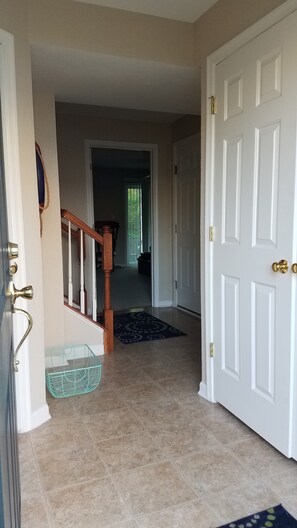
{"x":39,"y":417}
{"x":288,"y":7}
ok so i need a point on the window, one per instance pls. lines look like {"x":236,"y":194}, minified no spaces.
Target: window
{"x":134,"y":222}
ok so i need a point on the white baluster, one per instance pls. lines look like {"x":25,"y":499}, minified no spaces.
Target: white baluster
{"x":94,"y":285}
{"x":70,"y":283}
{"x":82,"y":280}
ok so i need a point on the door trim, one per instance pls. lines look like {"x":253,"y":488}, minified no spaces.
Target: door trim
{"x":206,"y":389}
{"x":15,"y":213}
{"x":153,"y":149}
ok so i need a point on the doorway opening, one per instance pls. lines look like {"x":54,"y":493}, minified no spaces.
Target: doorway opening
{"x":121,"y":193}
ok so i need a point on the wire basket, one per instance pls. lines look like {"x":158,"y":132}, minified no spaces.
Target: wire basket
{"x":71,"y":371}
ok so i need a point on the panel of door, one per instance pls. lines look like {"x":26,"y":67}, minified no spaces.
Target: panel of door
{"x":188,"y":224}
{"x":254,"y":219}
{"x":9,"y":466}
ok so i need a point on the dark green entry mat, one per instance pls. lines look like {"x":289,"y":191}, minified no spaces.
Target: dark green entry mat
{"x":275,"y":517}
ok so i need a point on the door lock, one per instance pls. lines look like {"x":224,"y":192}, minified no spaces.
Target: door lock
{"x":282,"y":266}
{"x":13,"y":250}
{"x":294,"y":268}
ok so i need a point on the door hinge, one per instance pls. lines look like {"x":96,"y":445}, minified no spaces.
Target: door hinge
{"x":213,"y":105}
{"x":211,"y":350}
{"x":175,"y":284}
{"x":175,"y":228}
{"x":175,"y":169}
{"x":211,"y":234}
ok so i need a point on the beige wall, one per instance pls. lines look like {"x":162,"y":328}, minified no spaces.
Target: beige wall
{"x":86,"y":27}
{"x":73,"y":129}
{"x":225,"y":20}
{"x":45,"y":135}
{"x":13,"y":17}
{"x":185,"y":127}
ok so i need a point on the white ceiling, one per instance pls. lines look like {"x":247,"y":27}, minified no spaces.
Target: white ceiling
{"x":184,"y":10}
{"x":76,"y":76}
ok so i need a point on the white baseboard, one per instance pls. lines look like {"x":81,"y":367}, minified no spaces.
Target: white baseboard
{"x":202,"y":390}
{"x":40,"y":416}
{"x":164,"y":304}
{"x":98,"y":350}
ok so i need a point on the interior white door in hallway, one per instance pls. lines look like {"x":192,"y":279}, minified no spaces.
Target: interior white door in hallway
{"x":254,"y":198}
{"x":187,"y":227}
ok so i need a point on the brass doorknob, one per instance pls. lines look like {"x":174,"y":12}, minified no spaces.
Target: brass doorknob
{"x":24,"y":293}
{"x":294,"y":268}
{"x":281,"y":266}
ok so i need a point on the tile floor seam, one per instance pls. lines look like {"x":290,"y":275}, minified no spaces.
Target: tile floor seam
{"x":122,"y":498}
{"x":271,"y":475}
{"x":76,"y":484}
{"x":282,"y":497}
{"x":180,"y":474}
{"x":200,"y":452}
{"x":43,"y":491}
{"x":142,"y":516}
{"x":134,"y":517}
{"x":103,"y":459}
{"x":127,"y":470}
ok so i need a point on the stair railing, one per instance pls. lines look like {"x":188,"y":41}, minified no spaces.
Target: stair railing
{"x":75,"y":228}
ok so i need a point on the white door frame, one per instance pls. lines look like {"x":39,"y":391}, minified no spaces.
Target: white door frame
{"x":153,"y":149}
{"x":207,"y":184}
{"x":15,"y":214}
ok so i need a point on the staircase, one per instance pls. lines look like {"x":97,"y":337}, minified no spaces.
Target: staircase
{"x":81,"y":245}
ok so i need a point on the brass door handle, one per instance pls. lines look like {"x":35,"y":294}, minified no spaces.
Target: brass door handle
{"x":282,"y":266}
{"x":28,"y":316}
{"x":294,"y":268}
{"x":24,"y":293}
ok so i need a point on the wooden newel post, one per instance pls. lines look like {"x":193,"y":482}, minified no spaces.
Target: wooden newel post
{"x":107,"y":266}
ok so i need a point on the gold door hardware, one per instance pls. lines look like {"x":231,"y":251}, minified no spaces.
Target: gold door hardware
{"x":28,"y":316}
{"x":282,"y":266}
{"x":24,"y":293}
{"x":13,"y":268}
{"x":13,"y":250}
{"x":294,"y":268}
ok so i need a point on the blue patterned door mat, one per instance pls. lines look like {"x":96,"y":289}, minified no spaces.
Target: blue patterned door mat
{"x":134,"y":327}
{"x":275,"y":517}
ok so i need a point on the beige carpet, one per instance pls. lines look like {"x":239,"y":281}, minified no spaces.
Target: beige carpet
{"x":129,"y":289}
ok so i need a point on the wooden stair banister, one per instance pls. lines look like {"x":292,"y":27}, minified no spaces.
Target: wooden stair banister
{"x":105,"y":241}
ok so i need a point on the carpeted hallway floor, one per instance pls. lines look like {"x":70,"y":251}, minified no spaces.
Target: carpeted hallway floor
{"x":129,"y":289}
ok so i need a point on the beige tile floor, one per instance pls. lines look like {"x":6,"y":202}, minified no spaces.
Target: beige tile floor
{"x":145,"y":451}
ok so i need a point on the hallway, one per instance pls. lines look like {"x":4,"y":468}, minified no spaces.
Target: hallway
{"x":128,"y":288}
{"x":144,"y":451}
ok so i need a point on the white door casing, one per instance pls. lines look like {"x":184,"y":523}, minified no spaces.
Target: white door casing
{"x":187,"y":223}
{"x":254,"y":216}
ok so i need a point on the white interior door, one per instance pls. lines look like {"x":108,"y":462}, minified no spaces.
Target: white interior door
{"x":187,"y":188}
{"x":255,"y":225}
